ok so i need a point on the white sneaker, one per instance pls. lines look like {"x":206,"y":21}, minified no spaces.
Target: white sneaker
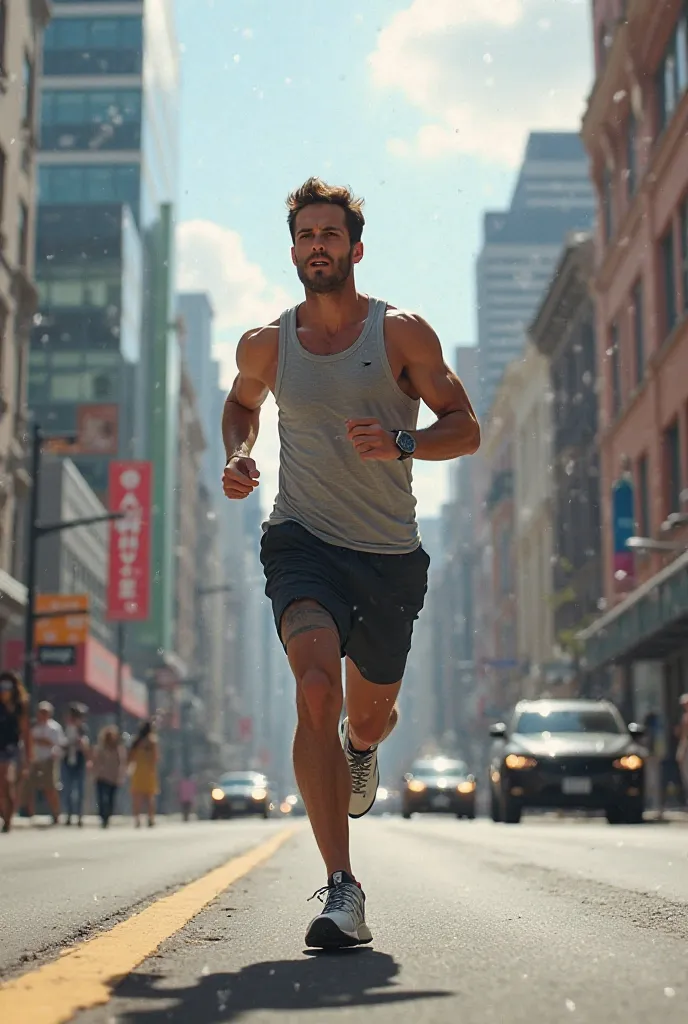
{"x":342,"y":922}
{"x":365,"y":775}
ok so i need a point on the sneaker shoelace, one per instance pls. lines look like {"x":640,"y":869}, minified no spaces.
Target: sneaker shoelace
{"x":360,"y":766}
{"x":346,"y":896}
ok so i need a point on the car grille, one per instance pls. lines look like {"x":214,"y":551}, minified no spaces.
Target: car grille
{"x":576,"y":765}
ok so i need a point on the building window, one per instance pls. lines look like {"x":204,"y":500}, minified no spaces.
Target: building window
{"x":3,"y":163}
{"x":684,"y":252}
{"x":23,"y":246}
{"x":3,"y":33}
{"x":668,"y":271}
{"x":93,"y":46}
{"x":644,"y":523}
{"x":672,"y":456}
{"x":672,"y":76}
{"x":28,"y":85}
{"x":615,"y":363}
{"x":639,"y":332}
{"x":90,"y":183}
{"x":631,"y":155}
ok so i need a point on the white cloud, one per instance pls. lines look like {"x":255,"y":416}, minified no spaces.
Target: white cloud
{"x":212,"y":258}
{"x":485,"y":74}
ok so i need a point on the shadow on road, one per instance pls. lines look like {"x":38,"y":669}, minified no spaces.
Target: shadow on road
{"x":319,"y":981}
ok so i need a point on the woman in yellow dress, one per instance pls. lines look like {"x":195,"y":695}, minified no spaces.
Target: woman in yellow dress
{"x":143,"y":765}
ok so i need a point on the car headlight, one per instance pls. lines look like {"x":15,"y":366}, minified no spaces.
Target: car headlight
{"x":218,"y":794}
{"x":465,"y":787}
{"x":631,"y":762}
{"x":518,"y":762}
{"x":259,"y":794}
{"x":416,"y":786}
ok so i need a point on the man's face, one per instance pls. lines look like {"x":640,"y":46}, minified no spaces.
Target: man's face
{"x":322,"y":252}
{"x":43,"y":716}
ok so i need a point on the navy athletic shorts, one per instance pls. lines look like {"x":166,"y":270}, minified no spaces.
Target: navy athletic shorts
{"x":373,"y":599}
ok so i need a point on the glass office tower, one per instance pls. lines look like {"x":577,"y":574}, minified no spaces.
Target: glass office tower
{"x":103,"y":351}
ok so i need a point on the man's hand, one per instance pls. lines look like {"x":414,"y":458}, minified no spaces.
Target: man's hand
{"x":240,"y":477}
{"x":371,"y":441}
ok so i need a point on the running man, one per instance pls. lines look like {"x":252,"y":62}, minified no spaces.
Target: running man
{"x":345,"y":569}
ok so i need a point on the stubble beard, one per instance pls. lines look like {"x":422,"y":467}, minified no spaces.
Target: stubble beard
{"x":324,"y":284}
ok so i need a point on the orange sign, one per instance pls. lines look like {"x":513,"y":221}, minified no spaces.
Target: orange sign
{"x":97,"y":429}
{"x":67,"y":629}
{"x":96,"y":434}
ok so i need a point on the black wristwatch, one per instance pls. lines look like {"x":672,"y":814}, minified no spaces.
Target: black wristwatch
{"x":406,"y":444}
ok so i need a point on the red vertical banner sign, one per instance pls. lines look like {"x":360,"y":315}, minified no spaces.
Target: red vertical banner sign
{"x":130,"y":492}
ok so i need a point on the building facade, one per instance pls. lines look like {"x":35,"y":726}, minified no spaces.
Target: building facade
{"x":533,"y":524}
{"x":499,"y":664}
{"x":552,"y":196}
{"x":105,"y":361}
{"x":636,"y":132}
{"x":21,"y":34}
{"x":564,"y":332}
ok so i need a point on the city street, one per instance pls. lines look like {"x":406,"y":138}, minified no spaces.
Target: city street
{"x":472,"y":923}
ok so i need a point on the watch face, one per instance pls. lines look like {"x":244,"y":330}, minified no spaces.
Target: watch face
{"x":405,"y":442}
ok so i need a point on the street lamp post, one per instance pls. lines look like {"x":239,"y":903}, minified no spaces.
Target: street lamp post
{"x":35,"y":532}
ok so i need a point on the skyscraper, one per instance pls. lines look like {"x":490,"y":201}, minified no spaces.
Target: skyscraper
{"x":553,"y":196}
{"x":105,"y":359}
{"x":196,"y":311}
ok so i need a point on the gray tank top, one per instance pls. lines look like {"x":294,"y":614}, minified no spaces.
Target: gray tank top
{"x":323,"y":484}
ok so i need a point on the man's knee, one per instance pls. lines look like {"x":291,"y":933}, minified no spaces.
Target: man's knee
{"x":372,"y":725}
{"x":319,"y":699}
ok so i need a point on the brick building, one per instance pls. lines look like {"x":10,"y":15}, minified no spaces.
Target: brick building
{"x":636,"y":132}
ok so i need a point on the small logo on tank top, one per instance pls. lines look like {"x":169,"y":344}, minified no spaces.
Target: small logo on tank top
{"x":366,"y":362}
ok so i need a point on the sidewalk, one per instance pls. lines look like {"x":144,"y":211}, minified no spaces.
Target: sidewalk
{"x":673,"y":817}
{"x":44,"y":821}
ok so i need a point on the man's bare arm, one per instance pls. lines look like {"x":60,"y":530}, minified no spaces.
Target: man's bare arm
{"x":456,"y":431}
{"x":241,"y":414}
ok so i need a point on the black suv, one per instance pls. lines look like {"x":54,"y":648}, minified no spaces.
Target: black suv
{"x":567,"y":754}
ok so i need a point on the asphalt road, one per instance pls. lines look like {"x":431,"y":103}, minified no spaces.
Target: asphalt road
{"x":472,"y":923}
{"x":58,"y":884}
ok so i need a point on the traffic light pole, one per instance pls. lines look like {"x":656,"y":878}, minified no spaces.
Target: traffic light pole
{"x":35,"y":532}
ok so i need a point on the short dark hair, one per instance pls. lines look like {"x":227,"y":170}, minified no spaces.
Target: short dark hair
{"x":317,"y":191}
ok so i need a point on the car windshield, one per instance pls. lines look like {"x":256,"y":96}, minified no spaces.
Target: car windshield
{"x":429,"y":769}
{"x":241,"y":781}
{"x":566,"y":720}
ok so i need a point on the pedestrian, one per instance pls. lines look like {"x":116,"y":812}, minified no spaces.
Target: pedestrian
{"x":187,"y":796}
{"x":49,"y":741}
{"x":16,"y":745}
{"x":654,"y":787}
{"x":75,"y":762}
{"x":143,"y":760}
{"x":682,"y":748}
{"x":344,"y":566}
{"x":109,"y":768}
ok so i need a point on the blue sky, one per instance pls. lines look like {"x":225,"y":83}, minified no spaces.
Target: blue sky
{"x":422,"y":106}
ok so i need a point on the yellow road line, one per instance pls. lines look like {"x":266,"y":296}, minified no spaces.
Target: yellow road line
{"x":84,"y":976}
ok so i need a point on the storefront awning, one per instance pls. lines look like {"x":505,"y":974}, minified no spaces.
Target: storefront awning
{"x":649,"y":624}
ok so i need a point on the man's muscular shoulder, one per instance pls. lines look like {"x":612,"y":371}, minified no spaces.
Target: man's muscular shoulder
{"x":403,"y":327}
{"x":257,"y":352}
